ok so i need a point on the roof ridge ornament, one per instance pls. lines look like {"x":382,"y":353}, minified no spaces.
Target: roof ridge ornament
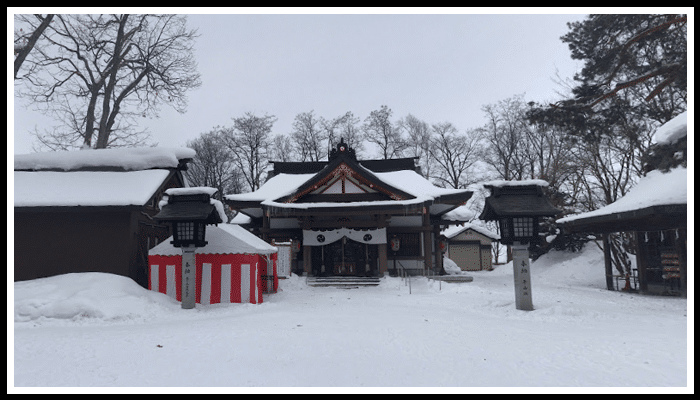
{"x":342,"y":148}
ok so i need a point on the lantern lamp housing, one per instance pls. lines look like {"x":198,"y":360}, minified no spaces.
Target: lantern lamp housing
{"x":517,"y":206}
{"x":188,"y":214}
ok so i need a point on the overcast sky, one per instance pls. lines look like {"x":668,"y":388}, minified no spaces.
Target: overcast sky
{"x":436,"y":67}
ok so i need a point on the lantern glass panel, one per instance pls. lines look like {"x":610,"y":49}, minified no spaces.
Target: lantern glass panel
{"x":185,"y":230}
{"x":505,"y":228}
{"x":522,"y":227}
{"x":200,"y":231}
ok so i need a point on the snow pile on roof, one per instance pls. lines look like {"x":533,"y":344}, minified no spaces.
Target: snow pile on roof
{"x":223,"y":239}
{"x":655,"y":189}
{"x":130,"y":159}
{"x":461,"y":213}
{"x":86,"y":188}
{"x":672,"y":130}
{"x":197,"y":190}
{"x":414,"y":183}
{"x":278,"y":186}
{"x":191,"y":190}
{"x":457,"y":229}
{"x":527,"y":182}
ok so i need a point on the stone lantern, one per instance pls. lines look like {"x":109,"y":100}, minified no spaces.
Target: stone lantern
{"x":189,"y":211}
{"x":517,"y":206}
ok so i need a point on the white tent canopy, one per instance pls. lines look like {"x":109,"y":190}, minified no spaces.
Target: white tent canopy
{"x":223,"y":239}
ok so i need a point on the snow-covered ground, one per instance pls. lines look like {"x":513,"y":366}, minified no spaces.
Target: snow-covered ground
{"x":93,"y":329}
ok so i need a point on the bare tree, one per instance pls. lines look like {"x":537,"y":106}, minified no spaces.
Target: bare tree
{"x":419,"y":141}
{"x":98,"y":74}
{"x":25,"y":41}
{"x":504,"y":132}
{"x":307,"y":137}
{"x":455,"y":154}
{"x":350,"y":131}
{"x":249,"y":141}
{"x":214,"y":165}
{"x":379,"y":129}
{"x":282,"y":149}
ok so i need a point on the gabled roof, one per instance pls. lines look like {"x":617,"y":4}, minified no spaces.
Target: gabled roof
{"x":344,"y":170}
{"x":289,"y":194}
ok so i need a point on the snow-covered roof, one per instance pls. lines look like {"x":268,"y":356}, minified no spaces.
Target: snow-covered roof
{"x":60,"y":179}
{"x":210,"y":191}
{"x":457,"y":229}
{"x":86,"y":188}
{"x":461,"y":213}
{"x":130,"y":159}
{"x":672,"y":130}
{"x":285,"y":184}
{"x":655,"y":189}
{"x":223,"y":239}
{"x":527,"y":182}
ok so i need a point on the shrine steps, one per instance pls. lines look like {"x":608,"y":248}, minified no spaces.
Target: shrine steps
{"x":344,"y":282}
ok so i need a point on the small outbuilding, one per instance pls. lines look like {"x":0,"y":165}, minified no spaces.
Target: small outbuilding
{"x":469,"y":246}
{"x":91,"y":210}
{"x":234,"y":267}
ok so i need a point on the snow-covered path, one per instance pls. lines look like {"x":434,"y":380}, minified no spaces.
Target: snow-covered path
{"x":459,"y":334}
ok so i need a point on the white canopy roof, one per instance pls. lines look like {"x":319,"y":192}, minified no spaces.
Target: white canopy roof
{"x":223,"y":239}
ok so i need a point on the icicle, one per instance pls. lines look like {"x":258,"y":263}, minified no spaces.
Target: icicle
{"x":646,"y":237}
{"x":677,"y":236}
{"x":662,"y":236}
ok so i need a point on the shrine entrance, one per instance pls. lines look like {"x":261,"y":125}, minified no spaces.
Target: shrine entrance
{"x":344,"y":257}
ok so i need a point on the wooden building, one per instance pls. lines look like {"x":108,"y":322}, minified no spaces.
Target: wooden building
{"x":469,"y":246}
{"x":352,"y":218}
{"x":91,"y":211}
{"x":658,"y":219}
{"x":656,"y":212}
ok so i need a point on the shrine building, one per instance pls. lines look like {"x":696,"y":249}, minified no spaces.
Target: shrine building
{"x":346,"y":217}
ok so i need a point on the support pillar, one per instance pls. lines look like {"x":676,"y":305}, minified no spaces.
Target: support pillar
{"x":307,"y":260}
{"x":521,"y":276}
{"x":188,"y":277}
{"x":608,"y":262}
{"x":382,"y":258}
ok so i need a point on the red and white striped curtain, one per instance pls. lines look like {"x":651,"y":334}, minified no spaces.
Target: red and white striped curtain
{"x":217,"y":281}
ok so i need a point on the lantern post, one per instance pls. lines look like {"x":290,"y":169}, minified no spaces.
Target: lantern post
{"x":189,"y":211}
{"x":517,"y":206}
